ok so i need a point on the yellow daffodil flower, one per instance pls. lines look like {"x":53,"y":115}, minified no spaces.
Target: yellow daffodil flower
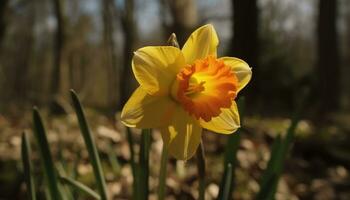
{"x":185,"y":90}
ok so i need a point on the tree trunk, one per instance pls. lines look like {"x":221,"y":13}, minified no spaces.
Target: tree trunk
{"x":184,"y":17}
{"x":110,"y":53}
{"x":346,"y":70}
{"x":328,"y":70}
{"x":244,"y":43}
{"x":128,"y":83}
{"x":21,"y":84}
{"x":245,"y":29}
{"x":57,"y":58}
{"x":3,"y":7}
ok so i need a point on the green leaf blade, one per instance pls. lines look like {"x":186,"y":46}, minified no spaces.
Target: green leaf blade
{"x":45,"y":155}
{"x":279,"y":152}
{"x":27,"y":166}
{"x":270,"y":177}
{"x":77,"y":185}
{"x":91,"y":147}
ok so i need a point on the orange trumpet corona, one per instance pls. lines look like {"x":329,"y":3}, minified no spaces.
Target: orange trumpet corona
{"x":205,"y":87}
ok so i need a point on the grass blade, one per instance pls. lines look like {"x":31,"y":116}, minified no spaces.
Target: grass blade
{"x":91,"y":147}
{"x":64,"y":190}
{"x":227,"y":186}
{"x":74,"y":174}
{"x":230,"y":155}
{"x":27,"y":166}
{"x":144,"y":163}
{"x":61,"y":168}
{"x":80,"y":186}
{"x":45,"y":155}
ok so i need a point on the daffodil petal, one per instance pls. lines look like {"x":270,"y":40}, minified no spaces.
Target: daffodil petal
{"x":155,"y":67}
{"x":226,"y":123}
{"x":145,"y":111}
{"x":200,"y":44}
{"x":240,"y":68}
{"x":182,"y":136}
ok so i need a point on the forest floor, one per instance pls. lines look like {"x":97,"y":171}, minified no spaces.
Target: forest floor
{"x":317,"y":168}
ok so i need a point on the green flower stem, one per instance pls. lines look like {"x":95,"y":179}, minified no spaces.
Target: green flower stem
{"x":162,"y":174}
{"x":144,"y":163}
{"x":227,"y":186}
{"x":172,"y":41}
{"x":201,"y":171}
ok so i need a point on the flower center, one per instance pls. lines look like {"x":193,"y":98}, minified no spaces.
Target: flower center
{"x":205,"y":87}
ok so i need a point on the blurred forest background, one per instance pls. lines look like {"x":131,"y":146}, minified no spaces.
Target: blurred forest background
{"x":50,"y":46}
